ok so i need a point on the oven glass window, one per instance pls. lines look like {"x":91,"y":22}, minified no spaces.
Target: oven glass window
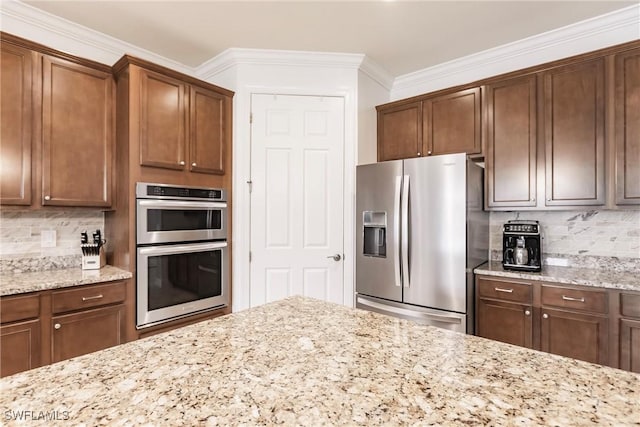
{"x":170,"y":220}
{"x":182,"y":278}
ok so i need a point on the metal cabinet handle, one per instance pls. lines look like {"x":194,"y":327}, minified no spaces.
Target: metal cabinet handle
{"x":545,"y":316}
{"x":57,"y":326}
{"x":90,"y":298}
{"x":527,"y":313}
{"x":194,"y":164}
{"x":181,"y":162}
{"x":47,"y":197}
{"x":509,"y":291}
{"x":566,"y":298}
{"x":335,"y":257}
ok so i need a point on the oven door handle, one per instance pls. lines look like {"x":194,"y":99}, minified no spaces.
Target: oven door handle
{"x":177,"y":249}
{"x":180,"y":204}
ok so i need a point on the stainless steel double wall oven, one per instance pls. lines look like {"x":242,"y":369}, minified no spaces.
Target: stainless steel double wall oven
{"x":182,"y":254}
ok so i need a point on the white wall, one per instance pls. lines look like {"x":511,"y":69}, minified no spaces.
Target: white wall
{"x":287,"y":75}
{"x":370,"y":94}
{"x":607,"y":30}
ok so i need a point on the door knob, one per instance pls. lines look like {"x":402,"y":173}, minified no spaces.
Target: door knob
{"x":335,"y":257}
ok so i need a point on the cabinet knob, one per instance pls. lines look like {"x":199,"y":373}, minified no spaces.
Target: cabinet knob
{"x":47,"y":197}
{"x":533,"y":199}
{"x":545,"y":316}
{"x":57,"y":326}
{"x":194,"y":164}
{"x":181,"y":162}
{"x":429,"y":152}
{"x":419,"y":153}
{"x":527,"y":313}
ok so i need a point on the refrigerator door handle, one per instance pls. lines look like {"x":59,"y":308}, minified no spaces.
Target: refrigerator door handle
{"x":405,"y":232}
{"x":396,"y":231}
{"x":411,"y":313}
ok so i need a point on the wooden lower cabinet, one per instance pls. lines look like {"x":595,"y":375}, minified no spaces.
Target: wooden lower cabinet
{"x":587,"y":323}
{"x":19,"y":347}
{"x":577,"y":335}
{"x":630,"y":345}
{"x":86,"y":331}
{"x":506,"y":322}
{"x":49,"y":326}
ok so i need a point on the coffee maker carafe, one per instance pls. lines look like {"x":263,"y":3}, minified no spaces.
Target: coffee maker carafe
{"x":521,"y":246}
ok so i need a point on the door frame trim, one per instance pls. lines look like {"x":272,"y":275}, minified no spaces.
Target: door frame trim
{"x":241,"y":210}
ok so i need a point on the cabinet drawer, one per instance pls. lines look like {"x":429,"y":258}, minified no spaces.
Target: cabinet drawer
{"x":21,"y":307}
{"x":87,"y":297}
{"x":506,"y":291}
{"x":576,"y":299}
{"x":630,"y":305}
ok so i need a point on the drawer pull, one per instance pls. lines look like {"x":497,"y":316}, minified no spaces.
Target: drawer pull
{"x":57,"y":326}
{"x":90,"y":298}
{"x":566,"y":298}
{"x":504,"y":290}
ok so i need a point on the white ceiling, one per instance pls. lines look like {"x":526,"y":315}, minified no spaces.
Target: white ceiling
{"x":401,"y":36}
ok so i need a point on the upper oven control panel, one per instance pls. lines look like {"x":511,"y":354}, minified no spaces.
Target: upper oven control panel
{"x":146,"y":190}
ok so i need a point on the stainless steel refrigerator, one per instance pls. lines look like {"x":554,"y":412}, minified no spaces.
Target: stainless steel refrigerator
{"x":421,"y":230}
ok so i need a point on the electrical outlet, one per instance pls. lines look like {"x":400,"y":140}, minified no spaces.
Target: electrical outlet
{"x":48,"y":238}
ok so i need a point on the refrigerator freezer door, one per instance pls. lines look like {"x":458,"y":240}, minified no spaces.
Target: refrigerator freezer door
{"x":437,"y":232}
{"x":378,"y":192}
{"x":425,"y":316}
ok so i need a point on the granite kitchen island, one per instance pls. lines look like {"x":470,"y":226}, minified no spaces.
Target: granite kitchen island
{"x":305,"y":362}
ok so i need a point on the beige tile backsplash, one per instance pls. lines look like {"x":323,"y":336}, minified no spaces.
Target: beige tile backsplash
{"x":20,"y":231}
{"x":601,"y":233}
{"x":574,"y":234}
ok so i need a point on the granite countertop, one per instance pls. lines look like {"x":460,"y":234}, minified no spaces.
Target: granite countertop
{"x":301,"y":361}
{"x":629,"y":281}
{"x":21,"y":283}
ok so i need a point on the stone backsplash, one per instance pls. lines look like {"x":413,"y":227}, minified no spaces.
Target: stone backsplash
{"x":21,"y":231}
{"x":591,"y":239}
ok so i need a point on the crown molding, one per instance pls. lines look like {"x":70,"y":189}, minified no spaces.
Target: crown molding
{"x":602,"y":31}
{"x":271,"y":57}
{"x":31,"y":23}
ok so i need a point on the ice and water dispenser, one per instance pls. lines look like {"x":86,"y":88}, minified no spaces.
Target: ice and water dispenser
{"x":375,"y":233}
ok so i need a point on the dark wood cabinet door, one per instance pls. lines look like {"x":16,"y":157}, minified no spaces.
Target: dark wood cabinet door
{"x":400,"y":132}
{"x":630,"y":345}
{"x":581,"y":336}
{"x":19,"y":347}
{"x":506,"y":322}
{"x":207,"y":137}
{"x":77,"y":134}
{"x":451,"y":123}
{"x":627,"y":123}
{"x":16,"y":117}
{"x":86,"y":331}
{"x":163,"y":114}
{"x":574,"y":134}
{"x":511,"y":159}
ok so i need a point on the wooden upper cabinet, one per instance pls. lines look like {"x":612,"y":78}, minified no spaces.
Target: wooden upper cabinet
{"x":207,"y":131}
{"x":16,"y":118}
{"x":400,"y":131}
{"x":163,"y":115}
{"x":627,"y":127}
{"x":574,"y":121}
{"x":77,"y":134}
{"x":452,"y":123}
{"x":511,"y":142}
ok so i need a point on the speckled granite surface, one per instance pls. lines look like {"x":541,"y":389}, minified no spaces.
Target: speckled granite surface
{"x":20,"y":283}
{"x":628,"y":280}
{"x":306,"y":362}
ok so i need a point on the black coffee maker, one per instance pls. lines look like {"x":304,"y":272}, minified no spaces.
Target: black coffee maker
{"x":521,"y":246}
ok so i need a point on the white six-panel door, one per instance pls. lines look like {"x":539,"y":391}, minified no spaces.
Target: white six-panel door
{"x":297,"y":174}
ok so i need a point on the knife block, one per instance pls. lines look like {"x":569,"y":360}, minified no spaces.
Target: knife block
{"x":94,"y":262}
